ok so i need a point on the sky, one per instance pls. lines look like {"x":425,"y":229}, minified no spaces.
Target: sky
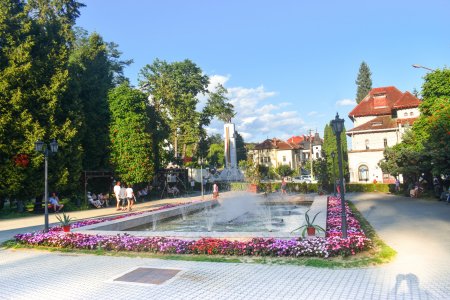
{"x":288,"y":66}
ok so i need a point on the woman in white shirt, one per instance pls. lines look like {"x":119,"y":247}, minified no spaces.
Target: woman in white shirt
{"x":130,"y":197}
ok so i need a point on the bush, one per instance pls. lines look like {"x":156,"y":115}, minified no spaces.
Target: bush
{"x":370,"y":187}
{"x":239,"y":186}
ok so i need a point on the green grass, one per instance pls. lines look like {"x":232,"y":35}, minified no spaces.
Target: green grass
{"x":381,"y":253}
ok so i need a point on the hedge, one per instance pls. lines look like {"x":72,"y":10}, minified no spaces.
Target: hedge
{"x":270,"y":187}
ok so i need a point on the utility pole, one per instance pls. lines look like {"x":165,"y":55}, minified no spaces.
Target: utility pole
{"x":311,"y":154}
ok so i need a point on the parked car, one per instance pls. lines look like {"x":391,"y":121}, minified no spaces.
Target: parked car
{"x":303,"y":178}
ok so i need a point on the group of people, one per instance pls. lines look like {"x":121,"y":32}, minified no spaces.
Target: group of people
{"x":97,"y":201}
{"x":124,"y":196}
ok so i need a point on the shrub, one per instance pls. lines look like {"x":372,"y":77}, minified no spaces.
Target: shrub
{"x":370,"y":187}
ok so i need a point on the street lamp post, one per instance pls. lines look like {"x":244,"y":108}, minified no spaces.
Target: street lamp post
{"x":40,"y":146}
{"x":333,"y":155}
{"x":338,"y":126}
{"x":422,"y":67}
{"x":201,"y":177}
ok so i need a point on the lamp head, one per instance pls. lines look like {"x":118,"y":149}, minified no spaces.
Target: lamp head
{"x":337,"y":125}
{"x":54,"y":146}
{"x":38,"y":146}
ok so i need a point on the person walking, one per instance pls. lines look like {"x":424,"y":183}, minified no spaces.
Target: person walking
{"x":215,"y":191}
{"x":283,"y":186}
{"x":130,"y":196}
{"x":437,"y":187}
{"x":116,"y":193}
{"x":123,"y":197}
{"x":397,"y":185}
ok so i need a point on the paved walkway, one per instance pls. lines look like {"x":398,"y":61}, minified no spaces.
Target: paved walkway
{"x":11,"y":227}
{"x":420,"y":272}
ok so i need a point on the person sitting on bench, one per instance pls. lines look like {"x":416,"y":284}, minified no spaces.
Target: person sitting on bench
{"x":54,"y":200}
{"x":174,"y":191}
{"x":93,"y":201}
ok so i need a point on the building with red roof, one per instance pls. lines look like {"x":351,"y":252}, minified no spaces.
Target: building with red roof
{"x":295,"y":152}
{"x":379,"y":121}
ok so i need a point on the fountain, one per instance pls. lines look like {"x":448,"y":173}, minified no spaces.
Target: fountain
{"x":266,"y":215}
{"x":154,"y":223}
{"x":241,"y":215}
{"x":209,"y":218}
{"x":183,"y":212}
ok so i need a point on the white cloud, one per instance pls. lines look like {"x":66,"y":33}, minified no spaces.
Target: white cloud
{"x":258,"y":114}
{"x":266,"y":109}
{"x":346,"y":102}
{"x":214,"y":80}
{"x":312,"y":113}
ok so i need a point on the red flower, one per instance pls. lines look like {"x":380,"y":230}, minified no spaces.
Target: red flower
{"x":21,"y":160}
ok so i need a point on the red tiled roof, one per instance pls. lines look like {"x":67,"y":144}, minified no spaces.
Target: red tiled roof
{"x":296,"y":139}
{"x":409,"y":121}
{"x":299,"y":139}
{"x":276,"y":144}
{"x":408,"y":100}
{"x":381,"y":122}
{"x":380,"y":101}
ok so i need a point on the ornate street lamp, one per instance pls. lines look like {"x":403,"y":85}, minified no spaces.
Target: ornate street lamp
{"x":40,"y":146}
{"x":333,"y":155}
{"x":338,"y":126}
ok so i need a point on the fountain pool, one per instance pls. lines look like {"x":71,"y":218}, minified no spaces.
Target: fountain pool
{"x":237,"y":215}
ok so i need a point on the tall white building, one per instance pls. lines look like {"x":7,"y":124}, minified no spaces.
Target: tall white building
{"x":379,"y":121}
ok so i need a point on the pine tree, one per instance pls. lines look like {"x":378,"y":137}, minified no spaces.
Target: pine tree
{"x":363,"y":81}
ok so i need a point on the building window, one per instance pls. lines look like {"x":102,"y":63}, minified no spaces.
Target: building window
{"x":363,"y":173}
{"x":317,"y":154}
{"x":261,"y":160}
{"x":411,"y":114}
{"x":367,"y":144}
{"x":284,"y":158}
{"x":385,"y":143}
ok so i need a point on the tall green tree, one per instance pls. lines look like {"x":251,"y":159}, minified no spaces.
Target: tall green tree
{"x":241,"y":151}
{"x":217,"y":106}
{"x":131,"y":134}
{"x":363,"y":81}
{"x":34,"y":90}
{"x":174,"y":89}
{"x":433,"y":126}
{"x":92,"y":76}
{"x":426,"y":147}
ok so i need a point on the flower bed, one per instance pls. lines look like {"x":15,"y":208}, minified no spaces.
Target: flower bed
{"x":331,"y":245}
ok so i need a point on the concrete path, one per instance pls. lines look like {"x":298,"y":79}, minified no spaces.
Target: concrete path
{"x":11,"y":227}
{"x":420,"y":272}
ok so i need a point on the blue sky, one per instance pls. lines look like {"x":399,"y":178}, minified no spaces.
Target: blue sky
{"x":289,"y":66}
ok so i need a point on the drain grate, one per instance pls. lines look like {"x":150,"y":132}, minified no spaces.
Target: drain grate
{"x":148,"y":275}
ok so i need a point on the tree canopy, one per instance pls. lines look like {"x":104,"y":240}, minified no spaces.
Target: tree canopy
{"x":426,"y":147}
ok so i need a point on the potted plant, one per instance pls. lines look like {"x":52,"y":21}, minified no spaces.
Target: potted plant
{"x":310,"y":227}
{"x":252,"y":175}
{"x":65,"y":221}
